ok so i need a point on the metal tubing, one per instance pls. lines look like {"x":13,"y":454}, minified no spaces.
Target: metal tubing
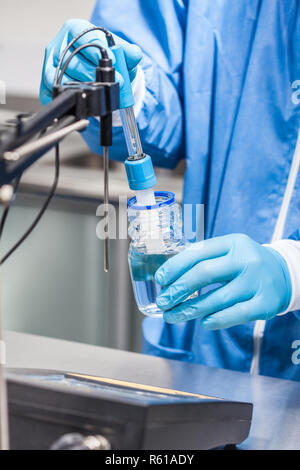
{"x":28,"y":149}
{"x":106,"y":212}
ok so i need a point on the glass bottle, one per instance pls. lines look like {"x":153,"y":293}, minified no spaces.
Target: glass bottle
{"x":156,"y":235}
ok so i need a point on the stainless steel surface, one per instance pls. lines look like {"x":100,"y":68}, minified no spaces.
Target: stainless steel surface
{"x":106,"y":214}
{"x":276,"y":418}
{"x":44,"y":142}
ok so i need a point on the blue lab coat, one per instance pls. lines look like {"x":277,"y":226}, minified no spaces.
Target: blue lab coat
{"x":219,"y":93}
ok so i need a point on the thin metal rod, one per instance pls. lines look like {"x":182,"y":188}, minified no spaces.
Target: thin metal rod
{"x":106,"y":213}
{"x":49,"y":139}
{"x":4,"y":429}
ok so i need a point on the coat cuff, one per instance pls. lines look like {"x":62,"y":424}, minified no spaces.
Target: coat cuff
{"x":290,"y":251}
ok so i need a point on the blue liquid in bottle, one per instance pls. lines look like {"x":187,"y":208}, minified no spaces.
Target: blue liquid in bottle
{"x":143,"y":267}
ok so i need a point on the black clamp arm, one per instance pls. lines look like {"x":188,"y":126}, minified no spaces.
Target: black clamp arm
{"x":72,"y":105}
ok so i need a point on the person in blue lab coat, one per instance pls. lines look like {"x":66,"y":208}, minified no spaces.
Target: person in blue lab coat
{"x":216,"y":83}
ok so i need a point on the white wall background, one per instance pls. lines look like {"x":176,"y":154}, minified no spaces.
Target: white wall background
{"x":26,"y":27}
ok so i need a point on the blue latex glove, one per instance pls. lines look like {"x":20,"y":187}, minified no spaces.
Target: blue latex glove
{"x":255,"y":283}
{"x":82,"y":66}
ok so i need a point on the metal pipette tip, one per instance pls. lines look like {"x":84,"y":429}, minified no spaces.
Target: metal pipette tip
{"x":106,"y":200}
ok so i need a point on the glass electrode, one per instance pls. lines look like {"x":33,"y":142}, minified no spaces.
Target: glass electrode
{"x":131,"y":132}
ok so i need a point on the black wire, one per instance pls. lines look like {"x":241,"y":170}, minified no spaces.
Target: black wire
{"x":109,"y":38}
{"x":83,"y":46}
{"x":42,"y":210}
{"x":3,"y":219}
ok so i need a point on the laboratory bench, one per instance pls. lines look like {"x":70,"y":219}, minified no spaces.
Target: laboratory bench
{"x":276,"y":402}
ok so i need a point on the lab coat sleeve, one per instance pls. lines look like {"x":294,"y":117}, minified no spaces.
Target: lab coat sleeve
{"x":158,"y":28}
{"x":290,"y":250}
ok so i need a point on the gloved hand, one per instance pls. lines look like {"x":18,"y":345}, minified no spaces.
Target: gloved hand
{"x":255,"y":283}
{"x":82,"y":66}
